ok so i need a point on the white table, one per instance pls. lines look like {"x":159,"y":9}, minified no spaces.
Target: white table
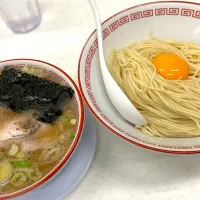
{"x":120,"y":171}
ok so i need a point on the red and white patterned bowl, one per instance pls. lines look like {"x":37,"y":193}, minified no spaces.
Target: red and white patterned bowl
{"x":57,"y":169}
{"x":166,"y":20}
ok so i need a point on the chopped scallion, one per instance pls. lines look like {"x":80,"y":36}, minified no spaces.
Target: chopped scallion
{"x":73,"y":121}
{"x":22,"y":164}
{"x":72,"y":135}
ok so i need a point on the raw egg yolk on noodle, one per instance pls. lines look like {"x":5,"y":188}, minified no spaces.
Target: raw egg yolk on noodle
{"x":170,"y":66}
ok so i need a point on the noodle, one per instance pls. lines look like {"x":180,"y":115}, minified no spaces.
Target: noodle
{"x":171,"y":107}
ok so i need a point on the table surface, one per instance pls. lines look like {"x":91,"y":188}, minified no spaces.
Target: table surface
{"x":120,"y":171}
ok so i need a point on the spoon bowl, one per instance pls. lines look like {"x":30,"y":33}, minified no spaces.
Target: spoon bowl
{"x":120,"y":101}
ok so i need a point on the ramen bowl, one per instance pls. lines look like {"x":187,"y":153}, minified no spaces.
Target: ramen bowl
{"x":67,"y":152}
{"x":166,"y":20}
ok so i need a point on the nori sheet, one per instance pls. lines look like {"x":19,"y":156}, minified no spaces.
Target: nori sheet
{"x":20,"y":92}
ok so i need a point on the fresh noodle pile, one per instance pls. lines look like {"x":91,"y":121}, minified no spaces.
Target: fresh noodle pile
{"x":171,"y":107}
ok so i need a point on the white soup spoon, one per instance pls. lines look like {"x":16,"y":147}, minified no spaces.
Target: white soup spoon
{"x":120,"y":101}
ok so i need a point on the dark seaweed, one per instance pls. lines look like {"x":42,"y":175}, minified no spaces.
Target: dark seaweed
{"x":21,"y":92}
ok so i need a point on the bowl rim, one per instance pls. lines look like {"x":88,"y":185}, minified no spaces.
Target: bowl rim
{"x":72,"y":147}
{"x":94,"y":112}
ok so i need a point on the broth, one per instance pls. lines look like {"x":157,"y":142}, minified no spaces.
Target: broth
{"x":26,"y":159}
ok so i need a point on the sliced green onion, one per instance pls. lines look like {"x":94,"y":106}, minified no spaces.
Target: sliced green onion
{"x":73,"y":121}
{"x":72,"y":135}
{"x":22,"y":164}
{"x":13,"y":150}
{"x":34,"y":71}
{"x":18,"y":179}
{"x":68,"y":119}
{"x":38,"y":71}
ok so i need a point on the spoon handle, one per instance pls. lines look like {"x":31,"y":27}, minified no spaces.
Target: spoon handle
{"x":123,"y":105}
{"x":99,"y":30}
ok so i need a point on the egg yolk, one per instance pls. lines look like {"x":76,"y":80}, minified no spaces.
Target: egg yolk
{"x":170,"y":66}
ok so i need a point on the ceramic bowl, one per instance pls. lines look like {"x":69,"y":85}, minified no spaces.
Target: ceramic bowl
{"x":166,"y":20}
{"x":78,"y":134}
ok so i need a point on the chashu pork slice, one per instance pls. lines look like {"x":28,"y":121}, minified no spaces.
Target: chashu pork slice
{"x":21,"y":129}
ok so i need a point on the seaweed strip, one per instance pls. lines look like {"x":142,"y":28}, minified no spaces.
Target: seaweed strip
{"x":20,"y":92}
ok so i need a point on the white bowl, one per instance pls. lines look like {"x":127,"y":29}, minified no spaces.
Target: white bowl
{"x":166,"y":20}
{"x":80,"y":106}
